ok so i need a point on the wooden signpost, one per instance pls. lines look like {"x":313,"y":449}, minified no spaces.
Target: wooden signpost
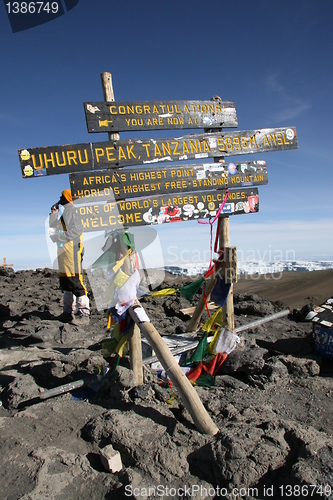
{"x":105,"y":155}
{"x":121,"y":183}
{"x":108,"y":194}
{"x":159,"y":115}
{"x":165,"y":209}
{"x":5,"y":263}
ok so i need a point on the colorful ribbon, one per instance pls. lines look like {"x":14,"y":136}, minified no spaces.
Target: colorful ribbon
{"x":211,"y":222}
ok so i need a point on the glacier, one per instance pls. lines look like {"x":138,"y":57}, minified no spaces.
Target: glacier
{"x":253,"y":267}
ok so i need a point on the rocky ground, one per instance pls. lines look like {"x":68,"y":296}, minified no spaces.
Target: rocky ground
{"x":272,"y":403}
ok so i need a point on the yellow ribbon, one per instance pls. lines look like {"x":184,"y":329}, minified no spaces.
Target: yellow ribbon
{"x":122,"y":260}
{"x":166,"y":291}
{"x":215,"y":319}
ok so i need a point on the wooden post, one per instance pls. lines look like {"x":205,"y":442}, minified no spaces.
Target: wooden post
{"x":228,"y":308}
{"x":187,"y":392}
{"x":135,"y":348}
{"x":135,"y":351}
{"x":109,"y":96}
{"x":134,"y":343}
{"x":224,"y":242}
{"x":5,"y":263}
{"x":195,"y":320}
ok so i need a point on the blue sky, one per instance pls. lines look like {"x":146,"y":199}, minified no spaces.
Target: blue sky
{"x":274,"y":59}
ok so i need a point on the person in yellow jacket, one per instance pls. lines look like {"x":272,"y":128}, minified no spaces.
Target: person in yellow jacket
{"x":70,"y":255}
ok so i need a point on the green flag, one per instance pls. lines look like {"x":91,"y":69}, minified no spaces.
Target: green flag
{"x":200,"y":352}
{"x":188,"y":291}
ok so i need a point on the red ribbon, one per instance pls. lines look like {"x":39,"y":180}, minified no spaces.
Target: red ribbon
{"x":211,"y":222}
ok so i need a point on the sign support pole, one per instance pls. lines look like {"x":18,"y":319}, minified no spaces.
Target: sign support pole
{"x":135,"y":349}
{"x":224,"y":242}
{"x":108,"y":94}
{"x":228,"y":308}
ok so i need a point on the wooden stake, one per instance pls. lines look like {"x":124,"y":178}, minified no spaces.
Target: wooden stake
{"x":134,"y":343}
{"x":187,"y":392}
{"x":135,"y":349}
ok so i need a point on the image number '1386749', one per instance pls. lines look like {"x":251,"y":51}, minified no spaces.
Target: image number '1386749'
{"x":27,"y":15}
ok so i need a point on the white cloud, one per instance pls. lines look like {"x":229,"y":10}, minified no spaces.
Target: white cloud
{"x":292,"y":111}
{"x":291,"y":106}
{"x":272,"y":84}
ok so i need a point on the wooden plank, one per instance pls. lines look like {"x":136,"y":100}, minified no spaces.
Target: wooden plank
{"x":165,"y":209}
{"x":118,"y":184}
{"x":103,"y":155}
{"x":190,"y":310}
{"x":159,"y":115}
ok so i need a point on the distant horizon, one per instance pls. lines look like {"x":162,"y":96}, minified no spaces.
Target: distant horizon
{"x":183,"y":265}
